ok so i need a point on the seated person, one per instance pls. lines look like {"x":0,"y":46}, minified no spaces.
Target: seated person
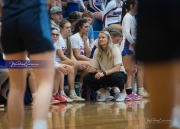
{"x":106,"y":68}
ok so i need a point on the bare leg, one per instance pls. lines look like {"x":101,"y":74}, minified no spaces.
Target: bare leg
{"x":98,"y":16}
{"x":44,"y":79}
{"x":159,"y":77}
{"x":32,"y":83}
{"x":71,"y":78}
{"x":16,"y":94}
{"x":58,"y":81}
{"x":129,"y":63}
{"x":140,"y":76}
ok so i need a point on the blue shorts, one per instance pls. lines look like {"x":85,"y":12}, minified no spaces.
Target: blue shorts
{"x":26,"y":26}
{"x":126,"y":50}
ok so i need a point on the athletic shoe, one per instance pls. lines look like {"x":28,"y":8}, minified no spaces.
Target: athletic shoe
{"x":135,"y":97}
{"x":57,"y":96}
{"x":74,"y":97}
{"x":128,"y":98}
{"x":104,"y":96}
{"x":66,"y":98}
{"x":143,"y":93}
{"x":121,"y":97}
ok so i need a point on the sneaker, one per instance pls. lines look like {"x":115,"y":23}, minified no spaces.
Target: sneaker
{"x":135,"y":97}
{"x":128,"y":98}
{"x":1,"y":105}
{"x":76,"y":98}
{"x":104,"y":96}
{"x":143,"y":93}
{"x":121,"y":97}
{"x":57,"y":96}
{"x":66,"y":98}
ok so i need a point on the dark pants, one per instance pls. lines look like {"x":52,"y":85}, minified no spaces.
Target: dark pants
{"x":116,"y":79}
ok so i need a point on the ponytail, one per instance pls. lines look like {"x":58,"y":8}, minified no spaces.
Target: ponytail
{"x":69,"y":49}
{"x":79,"y":24}
{"x":126,"y":7}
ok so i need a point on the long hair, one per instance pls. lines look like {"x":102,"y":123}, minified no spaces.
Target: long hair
{"x":110,"y":46}
{"x":126,"y":7}
{"x":79,"y":24}
{"x":68,"y":42}
{"x":113,"y":32}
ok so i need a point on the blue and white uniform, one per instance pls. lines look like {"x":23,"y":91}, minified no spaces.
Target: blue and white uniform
{"x":73,"y":5}
{"x":129,"y":28}
{"x":112,"y":13}
{"x":96,"y":5}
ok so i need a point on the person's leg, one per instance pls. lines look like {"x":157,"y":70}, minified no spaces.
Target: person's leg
{"x":98,"y":16}
{"x":32,"y":83}
{"x":159,"y":77}
{"x":72,"y":63}
{"x":16,"y":94}
{"x":84,"y":72}
{"x":140,"y":81}
{"x":44,"y":80}
{"x":129,"y":63}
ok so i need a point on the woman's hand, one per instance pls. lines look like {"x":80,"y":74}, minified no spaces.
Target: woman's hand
{"x":82,"y":67}
{"x":99,"y":75}
{"x":85,"y":37}
{"x":64,"y":69}
{"x":91,"y":69}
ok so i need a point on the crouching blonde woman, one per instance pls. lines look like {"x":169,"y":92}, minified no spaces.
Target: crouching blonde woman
{"x":106,"y":67}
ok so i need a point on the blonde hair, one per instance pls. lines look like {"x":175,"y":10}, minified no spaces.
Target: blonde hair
{"x":68,"y":42}
{"x":110,"y":46}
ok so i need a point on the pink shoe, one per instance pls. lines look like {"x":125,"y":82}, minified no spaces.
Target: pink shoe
{"x":135,"y":97}
{"x":128,"y":98}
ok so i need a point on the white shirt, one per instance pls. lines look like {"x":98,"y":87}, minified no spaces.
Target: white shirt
{"x":111,"y":14}
{"x":129,"y":29}
{"x":77,"y":42}
{"x":62,"y":45}
{"x":56,"y":64}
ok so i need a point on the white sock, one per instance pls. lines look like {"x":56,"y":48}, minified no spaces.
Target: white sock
{"x":72,"y":92}
{"x":140,"y":89}
{"x":54,"y":93}
{"x":34,"y":95}
{"x":116,"y":90}
{"x":39,"y":124}
{"x":62,"y":92}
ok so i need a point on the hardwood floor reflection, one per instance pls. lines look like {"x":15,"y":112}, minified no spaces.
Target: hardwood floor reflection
{"x":89,"y":115}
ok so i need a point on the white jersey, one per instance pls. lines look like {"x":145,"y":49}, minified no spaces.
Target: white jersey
{"x":56,"y":64}
{"x":129,"y":28}
{"x":112,"y":13}
{"x":77,"y":42}
{"x":62,"y":45}
{"x":96,"y":5}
